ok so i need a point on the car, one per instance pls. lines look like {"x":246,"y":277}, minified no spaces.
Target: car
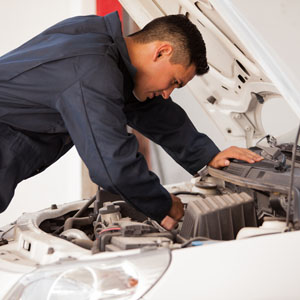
{"x":239,"y":237}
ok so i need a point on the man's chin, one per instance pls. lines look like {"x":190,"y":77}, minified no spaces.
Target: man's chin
{"x":139,"y":96}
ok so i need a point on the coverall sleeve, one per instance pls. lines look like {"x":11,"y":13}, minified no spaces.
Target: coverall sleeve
{"x":167,"y":124}
{"x":92,"y":109}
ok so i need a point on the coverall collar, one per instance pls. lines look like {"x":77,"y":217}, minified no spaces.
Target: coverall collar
{"x":113,"y":25}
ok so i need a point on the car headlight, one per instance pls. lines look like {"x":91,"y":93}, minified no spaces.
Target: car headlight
{"x":121,"y":277}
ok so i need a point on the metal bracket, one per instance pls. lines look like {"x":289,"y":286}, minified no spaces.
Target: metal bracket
{"x":246,"y":126}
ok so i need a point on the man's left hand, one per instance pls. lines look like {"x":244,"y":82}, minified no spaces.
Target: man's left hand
{"x":175,"y":214}
{"x":222,"y":158}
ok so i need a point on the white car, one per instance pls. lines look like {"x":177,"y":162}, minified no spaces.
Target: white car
{"x":239,"y":238}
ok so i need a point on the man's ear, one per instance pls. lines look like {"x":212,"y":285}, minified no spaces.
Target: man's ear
{"x":162,"y":51}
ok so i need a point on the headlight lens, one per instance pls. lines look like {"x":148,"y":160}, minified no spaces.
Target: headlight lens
{"x":122,"y":277}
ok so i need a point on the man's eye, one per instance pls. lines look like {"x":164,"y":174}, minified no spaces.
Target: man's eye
{"x":179,"y":85}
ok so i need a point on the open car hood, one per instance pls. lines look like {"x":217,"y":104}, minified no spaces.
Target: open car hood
{"x":252,"y":88}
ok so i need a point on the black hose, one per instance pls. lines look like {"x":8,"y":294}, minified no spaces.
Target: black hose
{"x":78,"y":214}
{"x":187,"y":193}
{"x":85,"y":207}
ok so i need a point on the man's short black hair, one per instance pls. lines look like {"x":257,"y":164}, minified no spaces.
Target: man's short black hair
{"x":182,"y":34}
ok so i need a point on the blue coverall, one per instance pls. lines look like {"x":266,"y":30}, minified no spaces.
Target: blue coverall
{"x":72,"y":84}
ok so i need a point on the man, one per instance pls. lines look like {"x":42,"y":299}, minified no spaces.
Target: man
{"x":80,"y":82}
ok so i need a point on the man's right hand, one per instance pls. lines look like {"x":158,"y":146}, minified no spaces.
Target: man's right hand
{"x":222,"y":158}
{"x":175,"y":214}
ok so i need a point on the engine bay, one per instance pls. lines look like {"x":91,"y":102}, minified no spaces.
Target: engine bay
{"x":238,"y":201}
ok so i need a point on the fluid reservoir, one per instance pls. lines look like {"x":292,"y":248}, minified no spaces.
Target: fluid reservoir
{"x":109,"y":213}
{"x":269,"y":226}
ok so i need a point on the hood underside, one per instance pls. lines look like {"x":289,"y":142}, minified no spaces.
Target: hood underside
{"x":247,"y":92}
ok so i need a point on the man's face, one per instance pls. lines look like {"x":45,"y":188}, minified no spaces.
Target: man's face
{"x":161,"y":78}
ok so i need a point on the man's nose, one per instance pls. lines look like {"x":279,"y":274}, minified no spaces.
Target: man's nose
{"x":166,"y":93}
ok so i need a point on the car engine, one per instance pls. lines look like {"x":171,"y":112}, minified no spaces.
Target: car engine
{"x":238,"y":201}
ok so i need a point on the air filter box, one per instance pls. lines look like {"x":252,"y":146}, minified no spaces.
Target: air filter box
{"x":219,"y":217}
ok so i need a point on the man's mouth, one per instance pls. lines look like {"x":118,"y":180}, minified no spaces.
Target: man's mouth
{"x":154,"y":94}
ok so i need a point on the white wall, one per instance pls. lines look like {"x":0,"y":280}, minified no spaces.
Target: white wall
{"x":20,"y":21}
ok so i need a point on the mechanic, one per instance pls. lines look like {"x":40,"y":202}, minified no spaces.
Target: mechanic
{"x":81,"y":82}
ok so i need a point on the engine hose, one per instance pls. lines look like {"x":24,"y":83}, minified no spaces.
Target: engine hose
{"x":167,"y":234}
{"x":85,"y":207}
{"x":83,"y":243}
{"x":78,"y":221}
{"x":78,"y":214}
{"x":102,"y":240}
{"x":187,"y":193}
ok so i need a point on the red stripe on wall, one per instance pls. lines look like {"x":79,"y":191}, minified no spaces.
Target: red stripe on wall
{"x":105,"y":7}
